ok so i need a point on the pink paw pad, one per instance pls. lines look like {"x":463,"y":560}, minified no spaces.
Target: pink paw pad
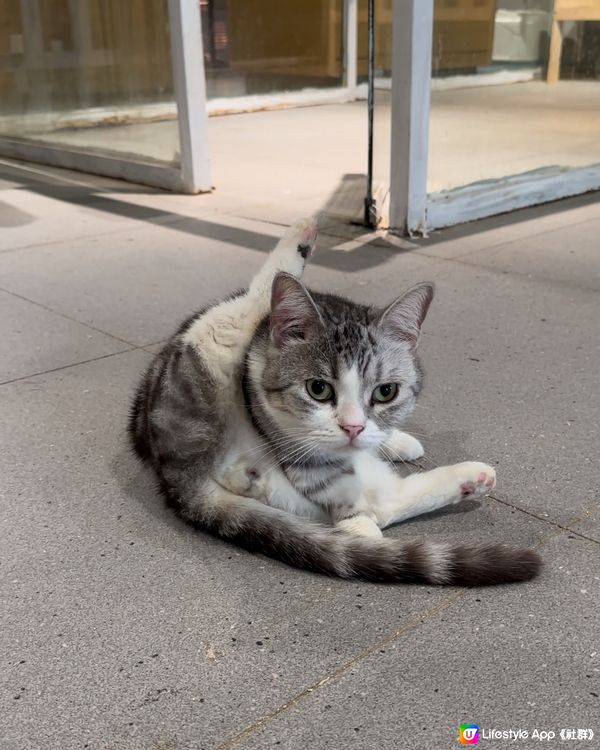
{"x":483,"y":480}
{"x":309,"y":233}
{"x":487,"y":481}
{"x":467,"y":488}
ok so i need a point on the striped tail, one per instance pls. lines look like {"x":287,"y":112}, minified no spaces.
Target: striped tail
{"x":303,"y":544}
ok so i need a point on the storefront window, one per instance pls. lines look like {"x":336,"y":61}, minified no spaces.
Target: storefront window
{"x":268,"y":46}
{"x":93,"y":74}
{"x":495,"y":111}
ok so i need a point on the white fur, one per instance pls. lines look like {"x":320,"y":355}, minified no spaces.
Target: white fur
{"x":349,"y":408}
{"x":360,"y":525}
{"x":221,"y":337}
{"x":400,"y":446}
{"x":222,"y":334}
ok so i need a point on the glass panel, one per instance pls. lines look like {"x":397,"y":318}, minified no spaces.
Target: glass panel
{"x":266,"y":46}
{"x":494,"y":113}
{"x":383,"y":40}
{"x":90,"y":74}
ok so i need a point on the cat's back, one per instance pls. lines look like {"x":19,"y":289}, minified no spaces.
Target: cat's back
{"x":176,"y":393}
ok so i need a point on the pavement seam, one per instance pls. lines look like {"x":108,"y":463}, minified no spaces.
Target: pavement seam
{"x":153,"y":343}
{"x":338,"y":671}
{"x":504,"y":243}
{"x":343,"y":668}
{"x":555,"y":283}
{"x":549,"y":521}
{"x":137,"y":227}
{"x":74,"y":364}
{"x":68,"y":317}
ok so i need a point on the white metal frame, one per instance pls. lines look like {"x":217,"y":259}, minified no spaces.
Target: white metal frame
{"x":412,"y":28}
{"x":413,"y":210}
{"x":190,"y":93}
{"x":193,"y":174}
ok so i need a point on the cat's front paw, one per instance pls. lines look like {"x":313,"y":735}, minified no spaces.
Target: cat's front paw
{"x":401,"y":446}
{"x":474,"y":479}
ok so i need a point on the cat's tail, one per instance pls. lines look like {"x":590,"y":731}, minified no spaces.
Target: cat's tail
{"x":303,"y":544}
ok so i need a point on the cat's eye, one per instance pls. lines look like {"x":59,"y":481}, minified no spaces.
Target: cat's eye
{"x":320,"y":390}
{"x":385,"y":392}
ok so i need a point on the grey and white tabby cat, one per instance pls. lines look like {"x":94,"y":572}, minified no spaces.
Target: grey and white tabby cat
{"x":268,"y":418}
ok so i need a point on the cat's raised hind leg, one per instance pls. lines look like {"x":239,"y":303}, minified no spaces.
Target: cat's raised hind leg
{"x":221,"y":336}
{"x":290,"y":256}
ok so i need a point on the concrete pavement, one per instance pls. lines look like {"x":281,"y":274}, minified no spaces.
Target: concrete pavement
{"x":122,"y":629}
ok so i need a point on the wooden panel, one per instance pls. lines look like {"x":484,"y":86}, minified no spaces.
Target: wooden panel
{"x":463,"y":33}
{"x":10,"y":23}
{"x":298,"y":37}
{"x":572,"y":10}
{"x":567,"y":10}
{"x":464,"y":10}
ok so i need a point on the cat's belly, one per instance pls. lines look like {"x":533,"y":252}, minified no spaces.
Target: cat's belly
{"x":248,"y":467}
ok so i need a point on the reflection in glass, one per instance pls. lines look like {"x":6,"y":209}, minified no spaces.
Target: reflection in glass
{"x":91,"y":74}
{"x":494,"y":114}
{"x":265,"y":46}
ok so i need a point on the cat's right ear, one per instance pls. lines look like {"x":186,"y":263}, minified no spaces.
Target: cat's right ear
{"x":405,"y":316}
{"x":294,"y":315}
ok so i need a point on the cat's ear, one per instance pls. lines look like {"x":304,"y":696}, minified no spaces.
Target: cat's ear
{"x":405,"y":316}
{"x":294,"y":315}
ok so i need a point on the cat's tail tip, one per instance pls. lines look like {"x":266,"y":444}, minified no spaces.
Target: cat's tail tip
{"x":491,"y":564}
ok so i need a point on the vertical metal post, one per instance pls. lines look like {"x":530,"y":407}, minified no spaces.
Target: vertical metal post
{"x":350,"y":10}
{"x":190,"y":92}
{"x":412,"y":29}
{"x":369,"y":218}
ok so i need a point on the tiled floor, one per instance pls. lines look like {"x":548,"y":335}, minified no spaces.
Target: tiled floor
{"x":121,"y":628}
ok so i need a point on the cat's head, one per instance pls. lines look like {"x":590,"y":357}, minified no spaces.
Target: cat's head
{"x":337,"y":375}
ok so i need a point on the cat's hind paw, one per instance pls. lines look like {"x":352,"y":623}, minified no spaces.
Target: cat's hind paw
{"x":474,"y":479}
{"x":360,"y":525}
{"x":242,"y":479}
{"x":297,"y":245}
{"x":308,"y":237}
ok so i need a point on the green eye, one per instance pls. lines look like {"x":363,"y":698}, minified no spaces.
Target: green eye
{"x":320,"y":390}
{"x":385,"y":392}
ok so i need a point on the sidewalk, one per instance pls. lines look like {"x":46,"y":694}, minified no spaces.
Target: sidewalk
{"x":121,"y":628}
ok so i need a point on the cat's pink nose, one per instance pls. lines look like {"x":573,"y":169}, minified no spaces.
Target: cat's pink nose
{"x":352,"y":430}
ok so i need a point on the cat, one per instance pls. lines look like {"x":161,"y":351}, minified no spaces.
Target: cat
{"x":269,"y":419}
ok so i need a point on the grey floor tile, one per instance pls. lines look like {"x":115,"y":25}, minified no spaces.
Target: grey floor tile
{"x":454,"y":242}
{"x":53,"y":213}
{"x":126,"y":628}
{"x":138,"y":285}
{"x":519,"y":657}
{"x":566,"y":256}
{"x":589,"y":524}
{"x":36,"y":340}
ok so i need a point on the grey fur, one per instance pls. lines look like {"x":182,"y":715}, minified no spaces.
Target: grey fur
{"x":179,"y":420}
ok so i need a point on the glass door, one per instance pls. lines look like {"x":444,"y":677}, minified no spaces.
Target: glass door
{"x":504,"y":116}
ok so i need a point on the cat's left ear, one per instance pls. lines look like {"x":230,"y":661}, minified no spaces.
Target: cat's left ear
{"x":405,"y":316}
